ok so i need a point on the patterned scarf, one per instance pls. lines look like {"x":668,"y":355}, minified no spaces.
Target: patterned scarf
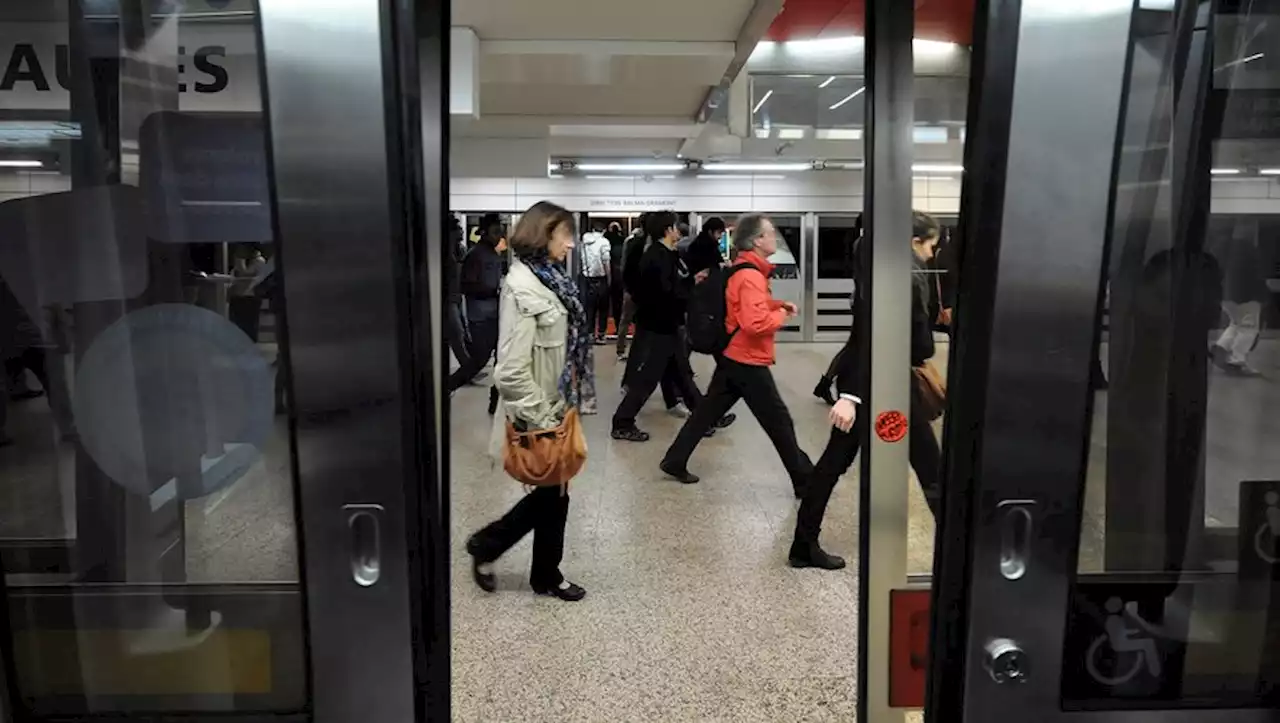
{"x":576,"y":369}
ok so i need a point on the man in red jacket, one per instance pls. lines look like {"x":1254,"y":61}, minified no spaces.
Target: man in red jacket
{"x":742,"y":372}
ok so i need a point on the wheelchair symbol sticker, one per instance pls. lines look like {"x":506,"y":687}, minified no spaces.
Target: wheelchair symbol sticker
{"x":1268,"y":534}
{"x":1122,"y":652}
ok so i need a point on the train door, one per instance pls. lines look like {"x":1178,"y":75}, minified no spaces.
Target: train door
{"x":1112,"y":517}
{"x":216,"y":446}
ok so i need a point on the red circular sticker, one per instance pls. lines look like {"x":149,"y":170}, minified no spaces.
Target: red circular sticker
{"x":891,"y":426}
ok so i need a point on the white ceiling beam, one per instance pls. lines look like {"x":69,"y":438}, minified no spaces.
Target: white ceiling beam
{"x":612,"y":48}
{"x":464,"y":72}
{"x":753,"y":29}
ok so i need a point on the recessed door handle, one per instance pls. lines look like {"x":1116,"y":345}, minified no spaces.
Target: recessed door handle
{"x":364,"y":523}
{"x":1016,"y":527}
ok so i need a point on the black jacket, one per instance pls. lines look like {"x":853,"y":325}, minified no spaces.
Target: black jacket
{"x":853,"y":377}
{"x":632,"y":250}
{"x":482,"y":281}
{"x":662,"y":290}
{"x":617,"y":244}
{"x":703,"y":253}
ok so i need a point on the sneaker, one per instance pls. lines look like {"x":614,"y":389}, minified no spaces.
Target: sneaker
{"x":622,"y":356}
{"x":1241,"y":369}
{"x":726,"y":420}
{"x":679,"y":410}
{"x":589,"y":409}
{"x":632,"y":434}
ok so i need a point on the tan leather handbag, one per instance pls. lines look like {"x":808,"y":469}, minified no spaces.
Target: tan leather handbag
{"x":546,"y":457}
{"x":930,"y":391}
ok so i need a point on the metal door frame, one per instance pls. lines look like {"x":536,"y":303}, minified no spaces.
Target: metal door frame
{"x":1013,"y":393}
{"x":352,"y":205}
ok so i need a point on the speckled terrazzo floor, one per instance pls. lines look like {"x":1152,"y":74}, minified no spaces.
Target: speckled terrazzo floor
{"x":692,"y":614}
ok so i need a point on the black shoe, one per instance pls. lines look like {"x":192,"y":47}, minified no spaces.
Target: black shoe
{"x":484,"y":580}
{"x":493,"y":404}
{"x":1219,"y":355}
{"x":812,"y":555}
{"x":711,"y":432}
{"x":566,"y":591}
{"x":726,"y":420}
{"x":632,"y":434}
{"x":823,"y":392}
{"x":683,"y":476}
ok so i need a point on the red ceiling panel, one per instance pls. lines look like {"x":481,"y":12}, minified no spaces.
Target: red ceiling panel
{"x":806,"y":19}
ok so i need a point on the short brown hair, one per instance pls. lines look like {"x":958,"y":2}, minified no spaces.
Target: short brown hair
{"x":534,"y":230}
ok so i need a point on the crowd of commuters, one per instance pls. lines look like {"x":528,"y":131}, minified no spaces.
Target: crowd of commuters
{"x":542,"y":322}
{"x":542,"y":318}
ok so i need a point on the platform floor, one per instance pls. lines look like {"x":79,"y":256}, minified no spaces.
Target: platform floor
{"x":692,"y":614}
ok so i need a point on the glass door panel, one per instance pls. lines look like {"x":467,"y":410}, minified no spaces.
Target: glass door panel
{"x":1112,"y":552}
{"x":170,"y":433}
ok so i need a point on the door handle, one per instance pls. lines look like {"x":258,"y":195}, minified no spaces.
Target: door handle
{"x":1016,"y":527}
{"x":364,"y":524}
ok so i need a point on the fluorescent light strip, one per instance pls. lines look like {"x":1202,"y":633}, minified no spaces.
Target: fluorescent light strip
{"x":936,"y":168}
{"x":839,"y":134}
{"x":1225,"y":171}
{"x":637,"y":167}
{"x":790,"y":133}
{"x":719,"y":177}
{"x":1269,"y":171}
{"x":848,"y":98}
{"x":761,"y":102}
{"x":21,"y":164}
{"x":766,"y":167}
{"x":827,"y":82}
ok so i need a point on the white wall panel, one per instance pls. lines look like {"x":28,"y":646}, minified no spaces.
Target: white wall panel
{"x":501,"y":157}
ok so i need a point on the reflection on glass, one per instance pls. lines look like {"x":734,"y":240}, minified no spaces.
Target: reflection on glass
{"x":147,"y":532}
{"x":1175,"y":603}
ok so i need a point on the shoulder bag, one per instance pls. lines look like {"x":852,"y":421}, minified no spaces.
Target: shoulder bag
{"x":546,"y":457}
{"x":930,"y":391}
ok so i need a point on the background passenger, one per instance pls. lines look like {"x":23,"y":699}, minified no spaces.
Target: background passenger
{"x":481,"y":281}
{"x":704,"y":252}
{"x":847,"y":425}
{"x":542,"y":367}
{"x":595,"y":279}
{"x":617,"y":239}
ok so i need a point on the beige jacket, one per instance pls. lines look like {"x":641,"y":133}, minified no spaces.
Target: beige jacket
{"x":533,"y":327}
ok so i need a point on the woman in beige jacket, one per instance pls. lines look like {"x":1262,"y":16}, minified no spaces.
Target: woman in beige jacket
{"x":543,"y":348}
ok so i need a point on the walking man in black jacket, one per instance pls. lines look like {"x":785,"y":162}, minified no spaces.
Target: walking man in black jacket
{"x":481,"y":283}
{"x":660,"y":289}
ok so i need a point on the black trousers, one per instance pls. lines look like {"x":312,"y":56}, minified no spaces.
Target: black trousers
{"x":595,"y":299}
{"x":617,"y":295}
{"x":52,"y":379}
{"x":842,"y":448}
{"x":658,"y":356}
{"x":455,"y":330}
{"x":484,"y":342}
{"x":754,"y":385}
{"x":542,"y":512}
{"x":246,"y":313}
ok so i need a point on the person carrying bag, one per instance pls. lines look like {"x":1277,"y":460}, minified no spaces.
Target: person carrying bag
{"x":543,"y":366}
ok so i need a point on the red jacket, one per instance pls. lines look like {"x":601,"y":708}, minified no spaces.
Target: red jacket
{"x":753,"y":312}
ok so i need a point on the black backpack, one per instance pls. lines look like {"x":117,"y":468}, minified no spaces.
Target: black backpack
{"x":708,"y":308}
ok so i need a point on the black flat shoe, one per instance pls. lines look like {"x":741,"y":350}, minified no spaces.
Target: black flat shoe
{"x":812,"y":555}
{"x":484,"y":580}
{"x":634,"y":434}
{"x":682,"y":476}
{"x":566,"y":591}
{"x":726,"y":420}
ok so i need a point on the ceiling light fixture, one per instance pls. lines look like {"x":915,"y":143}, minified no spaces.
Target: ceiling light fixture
{"x":766,"y":167}
{"x":791,"y":133}
{"x":635,"y":167}
{"x":1269,"y":171}
{"x":827,"y":82}
{"x":1225,"y":171}
{"x":21,"y":164}
{"x":848,"y":98}
{"x":936,"y":168}
{"x":761,"y":102}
